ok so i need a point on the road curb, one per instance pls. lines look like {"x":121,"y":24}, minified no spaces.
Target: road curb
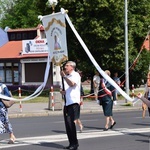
{"x":60,"y":112}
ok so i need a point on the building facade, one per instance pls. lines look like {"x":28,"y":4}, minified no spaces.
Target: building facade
{"x":23,"y":58}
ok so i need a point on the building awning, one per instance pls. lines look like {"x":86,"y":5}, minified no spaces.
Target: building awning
{"x":13,"y":50}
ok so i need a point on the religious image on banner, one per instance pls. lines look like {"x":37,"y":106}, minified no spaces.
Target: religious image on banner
{"x":55,"y":29}
{"x":57,"y":43}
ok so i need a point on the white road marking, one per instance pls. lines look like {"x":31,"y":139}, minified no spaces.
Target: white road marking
{"x":146,"y":117}
{"x":62,"y":137}
{"x":82,"y":121}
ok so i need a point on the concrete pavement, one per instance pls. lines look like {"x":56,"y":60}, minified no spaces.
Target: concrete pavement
{"x":41,"y":109}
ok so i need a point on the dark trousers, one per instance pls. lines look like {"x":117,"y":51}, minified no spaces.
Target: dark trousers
{"x":69,"y":116}
{"x":148,"y":107}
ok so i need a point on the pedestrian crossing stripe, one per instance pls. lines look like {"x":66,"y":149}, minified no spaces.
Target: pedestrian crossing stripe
{"x":63,"y":137}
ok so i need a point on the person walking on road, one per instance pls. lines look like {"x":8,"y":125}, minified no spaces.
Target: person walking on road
{"x":117,"y":80}
{"x":105,"y":94}
{"x":5,"y":125}
{"x":147,"y":96}
{"x":78,"y":121}
{"x":96,"y":81}
{"x":71,"y":92}
{"x":144,"y":108}
{"x":144,"y":100}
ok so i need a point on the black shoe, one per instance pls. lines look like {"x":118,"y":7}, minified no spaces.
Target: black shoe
{"x":74,"y":147}
{"x":112,"y":125}
{"x":67,"y":147}
{"x":81,"y":129}
{"x":105,"y":129}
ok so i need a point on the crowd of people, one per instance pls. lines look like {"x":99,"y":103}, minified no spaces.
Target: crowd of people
{"x":72,"y":91}
{"x":104,"y":92}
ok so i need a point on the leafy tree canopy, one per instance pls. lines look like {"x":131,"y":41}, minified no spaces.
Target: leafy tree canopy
{"x":100,"y":23}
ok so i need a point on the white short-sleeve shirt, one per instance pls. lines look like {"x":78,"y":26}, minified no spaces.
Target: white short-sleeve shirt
{"x":73,"y":93}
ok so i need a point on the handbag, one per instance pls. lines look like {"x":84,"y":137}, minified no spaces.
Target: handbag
{"x":8,"y":103}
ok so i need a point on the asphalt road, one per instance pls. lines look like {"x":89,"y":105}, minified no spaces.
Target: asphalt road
{"x":48,"y":133}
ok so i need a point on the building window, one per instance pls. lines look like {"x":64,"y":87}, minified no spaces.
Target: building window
{"x":18,"y":36}
{"x":15,"y":73}
{"x":24,"y":36}
{"x":12,"y":36}
{"x":8,"y":69}
{"x":30,"y":35}
{"x":2,"y":73}
{"x":37,"y":75}
{"x":9,"y":73}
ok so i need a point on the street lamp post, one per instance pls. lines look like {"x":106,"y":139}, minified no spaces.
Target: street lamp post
{"x":126,"y":50}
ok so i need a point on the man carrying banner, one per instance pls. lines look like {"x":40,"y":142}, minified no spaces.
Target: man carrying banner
{"x":71,"y":92}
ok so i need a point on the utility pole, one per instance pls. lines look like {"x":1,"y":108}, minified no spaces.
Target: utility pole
{"x":126,"y":50}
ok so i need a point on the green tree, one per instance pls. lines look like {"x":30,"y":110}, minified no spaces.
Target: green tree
{"x":22,"y":15}
{"x":100,"y":23}
{"x":5,"y":6}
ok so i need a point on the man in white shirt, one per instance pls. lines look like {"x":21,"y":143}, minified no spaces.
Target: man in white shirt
{"x":71,"y":92}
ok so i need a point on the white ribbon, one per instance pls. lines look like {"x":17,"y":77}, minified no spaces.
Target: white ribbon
{"x":111,"y":81}
{"x":38,"y":91}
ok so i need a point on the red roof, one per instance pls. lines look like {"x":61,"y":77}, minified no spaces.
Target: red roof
{"x":27,"y":29}
{"x":13,"y":49}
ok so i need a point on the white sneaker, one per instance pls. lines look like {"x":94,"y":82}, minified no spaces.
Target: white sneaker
{"x":97,"y":101}
{"x":115,"y":102}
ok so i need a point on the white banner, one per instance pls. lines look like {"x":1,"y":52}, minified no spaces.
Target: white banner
{"x":34,"y":46}
{"x":55,"y":29}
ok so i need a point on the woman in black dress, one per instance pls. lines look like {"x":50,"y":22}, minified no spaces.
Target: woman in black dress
{"x":106,"y":96}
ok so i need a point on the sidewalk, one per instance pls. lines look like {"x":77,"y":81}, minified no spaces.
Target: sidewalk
{"x":41,"y":109}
